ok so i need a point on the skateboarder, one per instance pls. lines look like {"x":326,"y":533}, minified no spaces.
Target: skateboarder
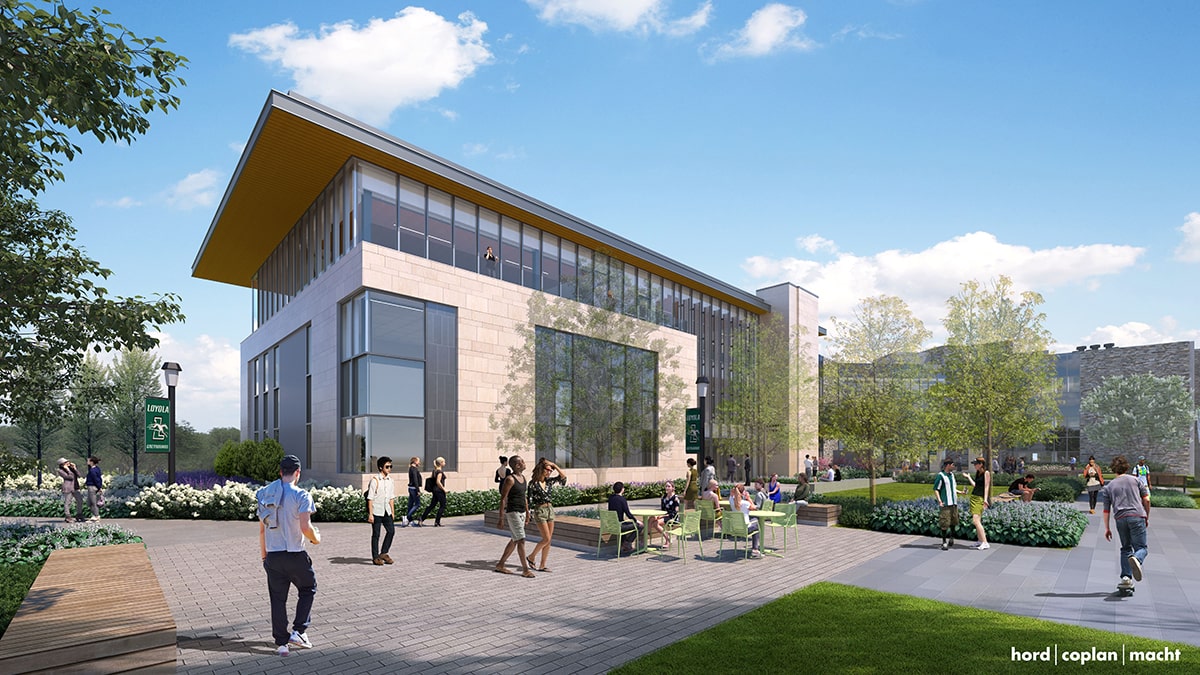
{"x":1129,"y":501}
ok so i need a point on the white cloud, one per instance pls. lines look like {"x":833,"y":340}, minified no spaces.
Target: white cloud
{"x":449,"y":114}
{"x":815,"y":242}
{"x":646,"y":16}
{"x":475,"y":149}
{"x":372,"y":70}
{"x":773,"y":28}
{"x":197,"y":189}
{"x":238,"y":147}
{"x":863,"y":33}
{"x":1189,"y":250}
{"x":1133,"y":333}
{"x":122,"y":203}
{"x":209,"y":390}
{"x":925,"y":279}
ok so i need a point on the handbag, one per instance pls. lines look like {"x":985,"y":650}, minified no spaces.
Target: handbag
{"x":430,"y":483}
{"x":99,"y":498}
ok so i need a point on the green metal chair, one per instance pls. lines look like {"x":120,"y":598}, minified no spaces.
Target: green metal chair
{"x":708,"y":512}
{"x":783,"y":524}
{"x":734,"y":526}
{"x":689,"y":526}
{"x":611,"y":525}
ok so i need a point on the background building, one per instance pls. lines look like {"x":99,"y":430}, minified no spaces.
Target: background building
{"x":393,"y":292}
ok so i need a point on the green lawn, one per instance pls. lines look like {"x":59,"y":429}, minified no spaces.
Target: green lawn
{"x":831,"y":628}
{"x":896,"y":491}
{"x":15,"y":580}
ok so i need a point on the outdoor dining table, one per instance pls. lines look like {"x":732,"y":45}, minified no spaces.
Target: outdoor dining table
{"x":646,"y":515}
{"x":762,"y":541}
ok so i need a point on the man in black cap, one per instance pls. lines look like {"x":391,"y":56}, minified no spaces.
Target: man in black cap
{"x":284,"y":512}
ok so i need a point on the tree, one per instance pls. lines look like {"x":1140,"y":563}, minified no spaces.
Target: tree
{"x":71,"y":71}
{"x":87,"y":428}
{"x":1000,"y":387}
{"x":1139,"y":414}
{"x":135,"y":376}
{"x":606,"y":409}
{"x":769,"y":387}
{"x":66,"y":71}
{"x":39,"y":415}
{"x":871,"y":398}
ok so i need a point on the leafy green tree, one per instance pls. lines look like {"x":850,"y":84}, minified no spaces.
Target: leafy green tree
{"x":770,"y":385}
{"x":872,"y":384}
{"x":610,"y":408}
{"x":1000,"y":387}
{"x":1139,"y":414}
{"x":87,"y":429}
{"x":66,"y":72}
{"x":135,"y":376}
{"x":73,"y":71}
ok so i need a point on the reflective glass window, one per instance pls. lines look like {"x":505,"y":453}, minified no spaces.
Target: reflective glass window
{"x":568,"y":272}
{"x":466,"y":255}
{"x":440,"y":228}
{"x":585,"y":287}
{"x":550,"y":263}
{"x":531,"y":257}
{"x":510,"y":250}
{"x":412,"y":217}
{"x":489,"y":242}
{"x":397,"y":327}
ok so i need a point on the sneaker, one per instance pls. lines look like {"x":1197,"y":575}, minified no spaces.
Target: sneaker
{"x":983,"y":547}
{"x":1135,"y":566}
{"x":300,"y":640}
{"x":1125,"y":582}
{"x":755,"y":553}
{"x":283,"y":650}
{"x":945,"y":547}
{"x":404,"y":522}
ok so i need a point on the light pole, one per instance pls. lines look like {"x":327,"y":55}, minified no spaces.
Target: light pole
{"x":171,"y":372}
{"x":702,"y":393}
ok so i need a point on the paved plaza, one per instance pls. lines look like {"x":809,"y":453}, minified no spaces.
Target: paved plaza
{"x":442,"y":609}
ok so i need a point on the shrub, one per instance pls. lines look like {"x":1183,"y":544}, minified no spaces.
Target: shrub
{"x":21,"y":543}
{"x":1057,"y":489}
{"x":1171,"y":499}
{"x":856,"y":511}
{"x":12,"y":466}
{"x":916,"y":477}
{"x":1026,"y":524}
{"x":257,"y":460}
{"x":232,"y":501}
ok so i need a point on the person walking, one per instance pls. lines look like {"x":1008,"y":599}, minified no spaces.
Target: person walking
{"x":808,"y":467}
{"x":746,"y":465}
{"x":709,"y":473}
{"x":1128,"y":500}
{"x":541,"y":483}
{"x":946,"y":489}
{"x":730,"y":469}
{"x":981,"y":496}
{"x":437,"y":493}
{"x":284,"y":523}
{"x":514,"y":512}
{"x":503,"y":471}
{"x":95,"y":487}
{"x":1093,"y":477}
{"x":381,"y":511}
{"x":691,"y":486}
{"x":414,"y":493}
{"x":70,"y":488}
{"x":1142,"y":472}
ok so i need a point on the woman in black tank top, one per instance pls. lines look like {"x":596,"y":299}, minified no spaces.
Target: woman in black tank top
{"x":514,"y":512}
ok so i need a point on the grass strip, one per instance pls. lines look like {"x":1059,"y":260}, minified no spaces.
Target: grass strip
{"x":833,"y":628}
{"x":15,"y":581}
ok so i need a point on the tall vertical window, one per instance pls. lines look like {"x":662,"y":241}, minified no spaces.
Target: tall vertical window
{"x":412,"y":217}
{"x":510,"y":250}
{"x":399,"y":366}
{"x":489,"y":243}
{"x":378,"y":205}
{"x":466,"y":255}
{"x":531,"y":257}
{"x":550,"y":282}
{"x":441,"y":229}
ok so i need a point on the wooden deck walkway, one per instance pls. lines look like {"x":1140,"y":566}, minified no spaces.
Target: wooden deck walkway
{"x":93,"y":610}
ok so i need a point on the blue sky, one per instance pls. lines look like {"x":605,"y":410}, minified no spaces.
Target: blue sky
{"x":853,"y":148}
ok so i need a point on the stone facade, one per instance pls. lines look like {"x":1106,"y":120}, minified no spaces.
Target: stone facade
{"x":1171,"y":358}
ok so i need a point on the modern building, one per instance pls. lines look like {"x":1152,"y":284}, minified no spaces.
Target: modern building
{"x":407,"y":306}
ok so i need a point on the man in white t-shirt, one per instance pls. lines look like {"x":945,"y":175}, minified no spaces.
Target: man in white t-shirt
{"x":381,"y":511}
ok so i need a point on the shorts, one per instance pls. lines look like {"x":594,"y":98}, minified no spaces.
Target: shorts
{"x":516,"y":524}
{"x":543,"y":513}
{"x":948,"y":518}
{"x":977,"y":505}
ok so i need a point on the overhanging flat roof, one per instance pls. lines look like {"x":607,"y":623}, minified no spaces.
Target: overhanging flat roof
{"x":299,"y":145}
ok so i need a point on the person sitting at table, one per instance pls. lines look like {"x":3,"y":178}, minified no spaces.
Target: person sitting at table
{"x":618,"y":503}
{"x":670,"y":504}
{"x":739,"y":500}
{"x":760,"y":493}
{"x":712,"y":493}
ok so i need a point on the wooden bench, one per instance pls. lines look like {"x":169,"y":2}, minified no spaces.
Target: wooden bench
{"x":819,"y":514}
{"x":93,"y":610}
{"x":1168,"y":480}
{"x":567,"y":529}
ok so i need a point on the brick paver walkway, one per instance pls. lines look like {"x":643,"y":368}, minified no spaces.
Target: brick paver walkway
{"x":441,"y":608}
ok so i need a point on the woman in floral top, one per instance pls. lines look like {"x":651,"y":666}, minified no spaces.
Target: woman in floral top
{"x":670,"y":504}
{"x":540,"y":485}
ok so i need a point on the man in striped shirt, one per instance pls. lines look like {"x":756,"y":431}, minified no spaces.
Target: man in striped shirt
{"x":946,"y":489}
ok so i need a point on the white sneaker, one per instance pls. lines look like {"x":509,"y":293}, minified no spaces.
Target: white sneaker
{"x":300,"y":640}
{"x":283,"y":650}
{"x":404,"y":522}
{"x":983,"y":547}
{"x":1135,"y":566}
{"x":1125,"y":582}
{"x":755,"y":554}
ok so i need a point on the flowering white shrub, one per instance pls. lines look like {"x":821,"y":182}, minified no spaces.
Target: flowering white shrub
{"x":29,"y":482}
{"x":234,"y":501}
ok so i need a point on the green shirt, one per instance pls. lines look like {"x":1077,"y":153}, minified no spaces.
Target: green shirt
{"x":947,"y":488}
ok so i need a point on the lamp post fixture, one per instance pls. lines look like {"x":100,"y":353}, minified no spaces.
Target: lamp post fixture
{"x":702,"y":393}
{"x":171,"y":372}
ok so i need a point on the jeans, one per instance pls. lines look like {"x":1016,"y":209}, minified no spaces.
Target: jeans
{"x":1092,"y":499}
{"x":1132,"y":532}
{"x":436,"y":498}
{"x":384,"y":521}
{"x":753,"y":530}
{"x":414,"y":502}
{"x":285,"y":568}
{"x":93,"y":500}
